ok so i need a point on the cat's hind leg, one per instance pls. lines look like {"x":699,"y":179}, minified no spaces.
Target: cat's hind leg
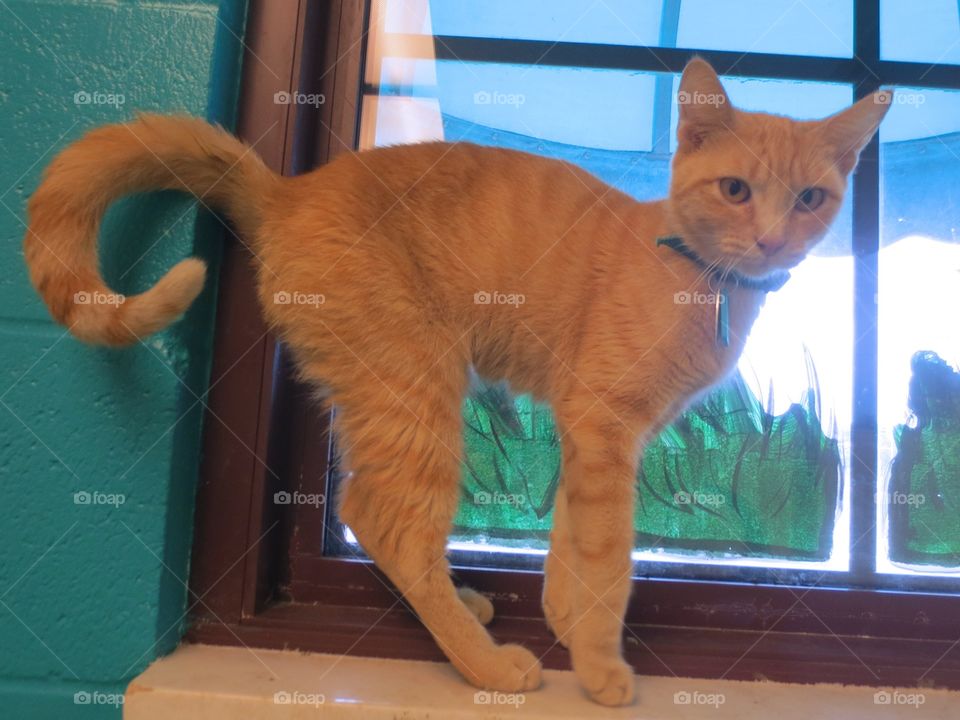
{"x":478,"y":604}
{"x":404,"y":454}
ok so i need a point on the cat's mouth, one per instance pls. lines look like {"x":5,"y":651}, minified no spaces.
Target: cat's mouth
{"x":754,"y":263}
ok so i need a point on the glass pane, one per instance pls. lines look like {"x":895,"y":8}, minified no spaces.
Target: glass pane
{"x":927,"y":31}
{"x":812,"y":27}
{"x":919,"y":385}
{"x":756,"y":473}
{"x":623,"y":22}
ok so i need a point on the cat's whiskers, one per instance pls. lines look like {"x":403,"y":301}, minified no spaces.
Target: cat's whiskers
{"x":707,"y":271}
{"x":728,"y":268}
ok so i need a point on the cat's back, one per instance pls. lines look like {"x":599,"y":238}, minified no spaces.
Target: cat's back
{"x":449,"y":216}
{"x":452,"y":168}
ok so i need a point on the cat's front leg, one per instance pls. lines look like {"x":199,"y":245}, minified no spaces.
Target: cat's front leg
{"x":599,"y":472}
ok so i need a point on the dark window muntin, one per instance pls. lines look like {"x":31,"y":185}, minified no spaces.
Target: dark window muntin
{"x":258,"y":577}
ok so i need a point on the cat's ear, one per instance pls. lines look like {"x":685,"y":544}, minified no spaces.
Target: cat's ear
{"x":704,"y":106}
{"x":849,"y":131}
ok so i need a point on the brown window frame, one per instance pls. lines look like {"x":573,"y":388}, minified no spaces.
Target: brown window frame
{"x":258,"y":577}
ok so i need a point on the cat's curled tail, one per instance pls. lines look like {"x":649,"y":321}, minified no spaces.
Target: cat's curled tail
{"x":153,"y":152}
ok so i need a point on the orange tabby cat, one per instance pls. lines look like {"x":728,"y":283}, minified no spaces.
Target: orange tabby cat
{"x":431,"y":258}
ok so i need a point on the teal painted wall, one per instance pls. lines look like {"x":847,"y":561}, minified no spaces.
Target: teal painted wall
{"x":90,"y":594}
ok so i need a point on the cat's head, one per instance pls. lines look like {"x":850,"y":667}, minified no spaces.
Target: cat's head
{"x":753,"y":191}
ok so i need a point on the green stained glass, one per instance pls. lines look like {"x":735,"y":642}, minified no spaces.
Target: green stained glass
{"x":512,"y":465}
{"x":924,"y":491}
{"x":726,"y":478}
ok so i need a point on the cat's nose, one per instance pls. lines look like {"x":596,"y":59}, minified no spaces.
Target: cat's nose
{"x":771,"y":245}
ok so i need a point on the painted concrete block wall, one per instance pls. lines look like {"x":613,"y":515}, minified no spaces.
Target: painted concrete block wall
{"x":91,"y":592}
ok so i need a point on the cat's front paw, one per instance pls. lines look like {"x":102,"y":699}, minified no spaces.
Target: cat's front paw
{"x":606,"y":678}
{"x":509,"y":669}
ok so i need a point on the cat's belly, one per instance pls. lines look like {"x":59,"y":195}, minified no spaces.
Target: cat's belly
{"x":524,"y":375}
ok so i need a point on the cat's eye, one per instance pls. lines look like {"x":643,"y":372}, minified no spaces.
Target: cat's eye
{"x":810,"y":199}
{"x":735,"y":190}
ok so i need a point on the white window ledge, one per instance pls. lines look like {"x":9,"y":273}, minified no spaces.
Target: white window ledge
{"x":206,"y":682}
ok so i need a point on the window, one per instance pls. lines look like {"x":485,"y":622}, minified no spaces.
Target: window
{"x":804,"y":474}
